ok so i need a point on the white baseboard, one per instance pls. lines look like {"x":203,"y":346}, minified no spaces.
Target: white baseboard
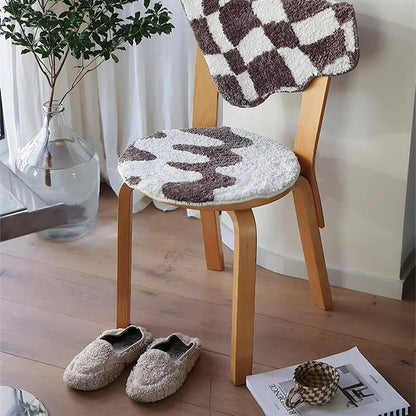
{"x":348,"y":279}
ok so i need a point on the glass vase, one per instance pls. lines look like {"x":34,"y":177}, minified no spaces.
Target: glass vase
{"x":61,"y":167}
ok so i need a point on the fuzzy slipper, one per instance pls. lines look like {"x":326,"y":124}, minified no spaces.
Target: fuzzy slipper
{"x":103,"y":360}
{"x":163,"y":368}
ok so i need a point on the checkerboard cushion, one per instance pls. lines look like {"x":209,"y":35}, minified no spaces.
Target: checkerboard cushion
{"x":254,"y":48}
{"x":208,"y":166}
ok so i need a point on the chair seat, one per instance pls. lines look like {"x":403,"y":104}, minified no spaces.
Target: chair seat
{"x":208,"y":166}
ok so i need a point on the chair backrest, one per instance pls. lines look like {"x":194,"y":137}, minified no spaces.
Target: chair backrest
{"x":253,"y":48}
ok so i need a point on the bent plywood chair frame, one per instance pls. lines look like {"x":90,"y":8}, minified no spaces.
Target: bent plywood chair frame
{"x":308,"y":212}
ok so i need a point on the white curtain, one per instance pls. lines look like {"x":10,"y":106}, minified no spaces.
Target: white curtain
{"x":148,"y":90}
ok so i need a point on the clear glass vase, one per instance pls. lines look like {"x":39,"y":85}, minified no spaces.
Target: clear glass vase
{"x":59,"y":166}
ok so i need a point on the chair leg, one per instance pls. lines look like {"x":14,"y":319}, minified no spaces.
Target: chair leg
{"x":124,"y":256}
{"x":312,"y":244}
{"x":211,"y":232}
{"x":244,"y":286}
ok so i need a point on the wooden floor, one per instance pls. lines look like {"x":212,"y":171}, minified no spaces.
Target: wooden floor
{"x":57,"y":297}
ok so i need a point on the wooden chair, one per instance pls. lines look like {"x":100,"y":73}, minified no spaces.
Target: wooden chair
{"x":308,"y":210}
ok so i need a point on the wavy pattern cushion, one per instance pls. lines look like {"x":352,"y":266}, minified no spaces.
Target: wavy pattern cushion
{"x":208,"y":166}
{"x":254,"y":48}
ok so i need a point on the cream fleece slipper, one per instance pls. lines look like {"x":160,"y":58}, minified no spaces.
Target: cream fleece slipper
{"x":163,"y":368}
{"x":103,"y":360}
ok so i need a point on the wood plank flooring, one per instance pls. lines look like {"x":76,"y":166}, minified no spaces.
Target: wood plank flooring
{"x":57,"y":297}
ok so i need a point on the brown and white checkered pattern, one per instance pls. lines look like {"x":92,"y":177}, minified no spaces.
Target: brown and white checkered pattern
{"x":254,"y":48}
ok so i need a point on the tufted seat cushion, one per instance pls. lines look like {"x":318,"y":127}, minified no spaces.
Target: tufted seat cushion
{"x":208,"y":166}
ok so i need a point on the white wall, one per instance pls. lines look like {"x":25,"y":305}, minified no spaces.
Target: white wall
{"x":362,"y":163}
{"x":409,"y":226}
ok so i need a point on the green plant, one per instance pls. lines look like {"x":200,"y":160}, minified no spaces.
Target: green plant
{"x":90,"y":30}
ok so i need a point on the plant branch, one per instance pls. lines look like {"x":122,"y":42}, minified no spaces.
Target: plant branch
{"x":62,"y":64}
{"x":50,"y":7}
{"x":75,"y":83}
{"x":44,"y":69}
{"x":75,"y":80}
{"x":50,"y":66}
{"x":51,"y":95}
{"x":78,"y":74}
{"x":41,"y":64}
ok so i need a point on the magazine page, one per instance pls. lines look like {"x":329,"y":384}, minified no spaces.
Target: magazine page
{"x":361,"y":391}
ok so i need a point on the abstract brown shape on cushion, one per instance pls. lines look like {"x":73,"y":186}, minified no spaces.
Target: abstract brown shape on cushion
{"x":202,"y":190}
{"x":133,"y":180}
{"x":157,"y":135}
{"x":132,"y":153}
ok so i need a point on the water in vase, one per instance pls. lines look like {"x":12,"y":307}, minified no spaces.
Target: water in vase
{"x":60,"y":167}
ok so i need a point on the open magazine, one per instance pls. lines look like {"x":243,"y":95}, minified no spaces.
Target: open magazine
{"x":362,"y":391}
